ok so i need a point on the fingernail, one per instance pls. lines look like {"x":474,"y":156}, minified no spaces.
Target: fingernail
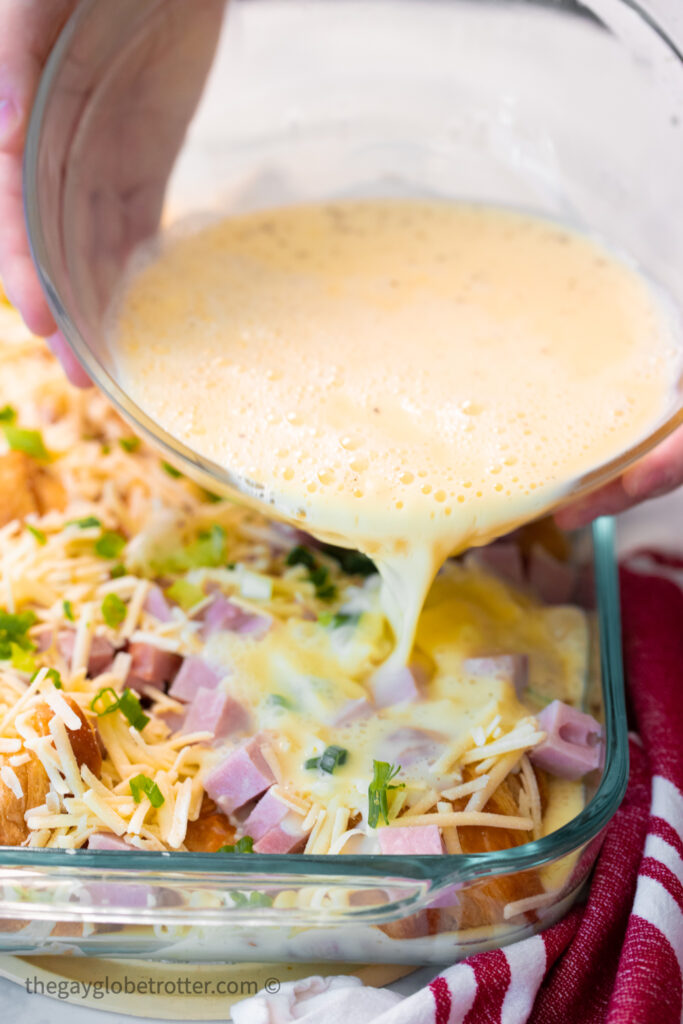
{"x":10,"y":119}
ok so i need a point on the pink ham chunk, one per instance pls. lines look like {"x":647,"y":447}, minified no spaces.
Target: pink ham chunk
{"x":214,"y":711}
{"x":286,"y":837}
{"x":353,"y":711}
{"x":193,"y":674}
{"x":418,"y":840}
{"x":101,"y":654}
{"x":407,"y":745}
{"x":504,"y":560}
{"x":512,"y":667}
{"x":267,"y":814}
{"x":223,"y":614}
{"x":107,"y":841}
{"x":242,"y":776}
{"x":573,"y":743}
{"x":151,"y":666}
{"x":157,"y":605}
{"x":394,"y":684}
{"x":554,"y":581}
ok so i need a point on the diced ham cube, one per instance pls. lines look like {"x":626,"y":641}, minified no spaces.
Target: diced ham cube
{"x":214,"y":711}
{"x":173,"y":719}
{"x":151,"y":666}
{"x":101,"y":655}
{"x":573,"y":743}
{"x":504,"y":560}
{"x":553,"y":581}
{"x":241,"y":777}
{"x":193,"y":674}
{"x":268,"y":813}
{"x":223,"y":614}
{"x":353,"y":711}
{"x":512,"y":667}
{"x":394,"y":684}
{"x":404,"y":840}
{"x":287,"y":837}
{"x":407,"y":745}
{"x":157,"y":605}
{"x":107,"y":841}
{"x":127,"y":895}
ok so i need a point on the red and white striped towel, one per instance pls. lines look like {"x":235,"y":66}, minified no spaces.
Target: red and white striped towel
{"x":616,"y":959}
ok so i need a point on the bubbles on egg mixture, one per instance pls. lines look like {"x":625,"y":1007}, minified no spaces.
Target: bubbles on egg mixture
{"x":387,"y":364}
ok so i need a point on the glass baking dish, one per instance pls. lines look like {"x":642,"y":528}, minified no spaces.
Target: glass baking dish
{"x":385,"y":909}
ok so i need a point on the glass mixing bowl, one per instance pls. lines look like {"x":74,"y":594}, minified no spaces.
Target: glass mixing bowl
{"x":571,"y":110}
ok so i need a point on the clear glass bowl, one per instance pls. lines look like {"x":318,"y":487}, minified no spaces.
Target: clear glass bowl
{"x":559,"y":107}
{"x":360,"y":909}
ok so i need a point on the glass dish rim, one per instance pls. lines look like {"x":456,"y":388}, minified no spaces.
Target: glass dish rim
{"x":437,"y":870}
{"x":204,"y":468}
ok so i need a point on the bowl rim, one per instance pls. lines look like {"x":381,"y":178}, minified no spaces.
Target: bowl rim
{"x":204,"y":470}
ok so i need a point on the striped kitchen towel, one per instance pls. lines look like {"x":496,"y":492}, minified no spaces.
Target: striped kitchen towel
{"x":616,"y":959}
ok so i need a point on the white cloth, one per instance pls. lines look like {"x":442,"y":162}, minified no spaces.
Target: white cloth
{"x":336,"y":1000}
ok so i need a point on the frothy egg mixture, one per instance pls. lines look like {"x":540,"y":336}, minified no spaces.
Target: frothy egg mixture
{"x":408,"y":378}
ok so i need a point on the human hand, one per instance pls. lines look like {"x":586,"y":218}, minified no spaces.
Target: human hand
{"x":28,"y":30}
{"x":125,"y":167}
{"x":656,"y":474}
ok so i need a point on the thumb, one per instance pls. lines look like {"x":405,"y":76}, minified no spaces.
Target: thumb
{"x":28,"y":30}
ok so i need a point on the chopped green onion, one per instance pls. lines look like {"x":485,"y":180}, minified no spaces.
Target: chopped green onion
{"x":212,"y":498}
{"x":128,"y":704}
{"x":8,"y":414}
{"x":208,"y":550}
{"x":332,"y":758}
{"x":243,"y":845}
{"x":329,"y":760}
{"x":68,"y":611}
{"x":110,"y":544}
{"x":99,"y":697}
{"x":106,"y":448}
{"x":171,"y":470}
{"x":337,"y":619}
{"x":143,"y":784}
{"x":301,"y":556}
{"x":117,"y":571}
{"x":85,"y":523}
{"x":22,"y":659}
{"x":317,"y":574}
{"x":186,"y":594}
{"x":30,"y":442}
{"x":13,"y":632}
{"x":38,"y":534}
{"x":54,"y":675}
{"x":254,"y":899}
{"x":113,"y":610}
{"x":129,"y":444}
{"x":354,"y":563}
{"x":277,"y":700}
{"x":378,"y":790}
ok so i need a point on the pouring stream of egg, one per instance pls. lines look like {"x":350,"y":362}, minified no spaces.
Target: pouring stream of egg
{"x":405,"y":377}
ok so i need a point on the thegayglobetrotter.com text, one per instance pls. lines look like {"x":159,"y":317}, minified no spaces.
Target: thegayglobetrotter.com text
{"x":66,"y":988}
